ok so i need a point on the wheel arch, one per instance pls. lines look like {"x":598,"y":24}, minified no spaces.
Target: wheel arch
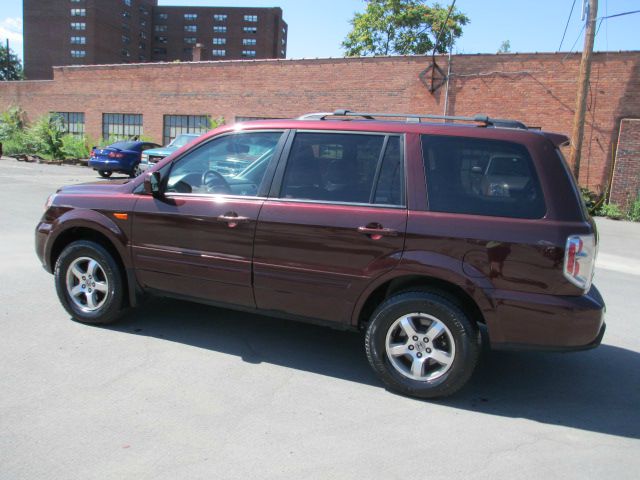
{"x":387,"y":288}
{"x":94,"y":234}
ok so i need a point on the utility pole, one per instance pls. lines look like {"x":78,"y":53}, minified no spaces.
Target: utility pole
{"x":583,"y":88}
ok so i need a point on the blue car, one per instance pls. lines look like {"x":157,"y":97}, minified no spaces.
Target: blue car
{"x":119,"y":157}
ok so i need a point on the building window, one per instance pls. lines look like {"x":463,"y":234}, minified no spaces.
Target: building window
{"x":220,"y":17}
{"x":188,"y":51}
{"x":126,"y":14}
{"x":190,"y":17}
{"x":143,"y":23}
{"x":248,"y":41}
{"x":125,"y":39}
{"x":78,"y":40}
{"x":161,"y":17}
{"x":190,"y":28}
{"x":250,"y":29}
{"x":142,"y":58}
{"x":174,"y":125}
{"x":122,"y":125}
{"x":161,"y":39}
{"x":142,"y":45}
{"x":143,"y":35}
{"x":78,"y":26}
{"x":160,"y":28}
{"x":76,"y":1}
{"x":125,"y":27}
{"x":127,"y":2}
{"x":220,"y":28}
{"x":144,"y":11}
{"x":284,"y":42}
{"x":72,"y":122}
{"x":125,"y":52}
{"x":190,"y":40}
{"x":78,"y":12}
{"x":219,"y":41}
{"x":251,"y":18}
{"x":249,"y":53}
{"x":78,"y":54}
{"x":283,"y":53}
{"x":219,"y":53}
{"x":284,"y":31}
{"x":160,"y":51}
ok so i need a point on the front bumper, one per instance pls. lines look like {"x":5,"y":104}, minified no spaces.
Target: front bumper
{"x":546,"y":322}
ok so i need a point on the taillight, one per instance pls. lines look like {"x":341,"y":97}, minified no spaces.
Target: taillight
{"x":115,"y":155}
{"x":579,"y":260}
{"x":93,"y":153}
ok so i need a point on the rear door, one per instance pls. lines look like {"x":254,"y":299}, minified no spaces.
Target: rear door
{"x":197,"y":241}
{"x":335,"y":219}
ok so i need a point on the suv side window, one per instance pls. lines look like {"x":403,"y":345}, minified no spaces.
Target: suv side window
{"x":481,"y":177}
{"x":344,"y":168}
{"x":233,"y":164}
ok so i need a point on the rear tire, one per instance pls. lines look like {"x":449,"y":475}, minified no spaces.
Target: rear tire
{"x":422,"y":344}
{"x":89,"y":283}
{"x":104,"y":173}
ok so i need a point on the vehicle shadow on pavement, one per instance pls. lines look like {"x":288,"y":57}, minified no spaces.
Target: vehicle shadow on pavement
{"x":596,"y":390}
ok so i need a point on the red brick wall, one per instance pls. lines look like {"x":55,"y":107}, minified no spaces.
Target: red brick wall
{"x":538,"y":89}
{"x":625,"y":187}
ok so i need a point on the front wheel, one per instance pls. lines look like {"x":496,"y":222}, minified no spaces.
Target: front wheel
{"x":105,"y":173}
{"x":89,"y":283}
{"x":137,"y":171}
{"x":422,"y":344}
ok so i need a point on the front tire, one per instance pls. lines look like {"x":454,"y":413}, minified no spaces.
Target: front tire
{"x":104,"y":173}
{"x":89,"y":283}
{"x":422,"y":344}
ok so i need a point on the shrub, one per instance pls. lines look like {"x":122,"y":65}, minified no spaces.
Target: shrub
{"x":44,"y":137}
{"x":74,"y":146}
{"x":634,"y":211}
{"x":592,"y":200}
{"x":611,"y":210}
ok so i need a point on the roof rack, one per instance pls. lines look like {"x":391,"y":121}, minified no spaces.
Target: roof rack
{"x":412,"y":118}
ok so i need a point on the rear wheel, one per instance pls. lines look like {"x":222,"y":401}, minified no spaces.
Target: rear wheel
{"x":105,"y":173}
{"x":136,"y":171}
{"x":89,"y":283}
{"x":422,"y":344}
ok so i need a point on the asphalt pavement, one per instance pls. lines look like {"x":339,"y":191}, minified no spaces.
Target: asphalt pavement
{"x":179,"y":390}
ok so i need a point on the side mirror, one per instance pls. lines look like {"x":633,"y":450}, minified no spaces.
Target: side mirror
{"x":152,"y":184}
{"x":477,"y":170}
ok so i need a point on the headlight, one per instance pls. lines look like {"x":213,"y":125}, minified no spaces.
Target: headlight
{"x":144,"y":158}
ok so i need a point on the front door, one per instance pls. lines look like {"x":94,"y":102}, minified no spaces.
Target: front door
{"x":197,"y":240}
{"x":336,"y":220}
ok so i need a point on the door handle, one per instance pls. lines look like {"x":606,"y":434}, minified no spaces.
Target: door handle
{"x":232,"y":219}
{"x":376,"y":232}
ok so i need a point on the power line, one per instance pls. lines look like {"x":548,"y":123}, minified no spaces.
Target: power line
{"x":567,"y":25}
{"x":574,"y":43}
{"x":620,"y":14}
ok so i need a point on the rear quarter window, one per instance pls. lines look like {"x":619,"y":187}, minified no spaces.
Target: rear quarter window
{"x":481,"y":177}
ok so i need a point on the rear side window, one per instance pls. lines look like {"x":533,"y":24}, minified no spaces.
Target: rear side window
{"x":481,"y":177}
{"x":344,"y":168}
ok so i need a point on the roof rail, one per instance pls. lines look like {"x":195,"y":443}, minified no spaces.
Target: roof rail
{"x":412,"y":118}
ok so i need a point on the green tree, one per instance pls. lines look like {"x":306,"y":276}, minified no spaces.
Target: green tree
{"x":505,"y":47}
{"x":403,"y":27}
{"x":10,"y":68}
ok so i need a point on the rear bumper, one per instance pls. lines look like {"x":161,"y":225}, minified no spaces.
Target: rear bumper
{"x":110,"y":165}
{"x":546,"y":322}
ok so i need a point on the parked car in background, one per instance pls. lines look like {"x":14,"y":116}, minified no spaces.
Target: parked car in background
{"x":121,"y":157}
{"x":377,"y":226}
{"x":153,"y":156}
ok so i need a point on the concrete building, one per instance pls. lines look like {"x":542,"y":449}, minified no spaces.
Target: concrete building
{"x":93,"y":32}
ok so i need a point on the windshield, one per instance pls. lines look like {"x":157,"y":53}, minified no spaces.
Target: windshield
{"x":182,"y":140}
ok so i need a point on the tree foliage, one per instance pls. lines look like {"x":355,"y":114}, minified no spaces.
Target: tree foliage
{"x":11,"y":70}
{"x":505,"y":47}
{"x":403,"y":27}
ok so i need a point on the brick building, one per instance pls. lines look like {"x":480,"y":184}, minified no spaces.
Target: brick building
{"x":538,"y":89}
{"x":93,"y":32}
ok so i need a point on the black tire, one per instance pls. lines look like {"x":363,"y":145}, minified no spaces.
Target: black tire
{"x":108,"y":303}
{"x":463,"y":351}
{"x":136,"y":171}
{"x":104,"y":173}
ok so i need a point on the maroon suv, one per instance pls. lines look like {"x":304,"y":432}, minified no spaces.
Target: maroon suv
{"x":416,"y":233}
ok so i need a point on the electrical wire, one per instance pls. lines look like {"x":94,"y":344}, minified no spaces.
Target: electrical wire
{"x":567,"y":25}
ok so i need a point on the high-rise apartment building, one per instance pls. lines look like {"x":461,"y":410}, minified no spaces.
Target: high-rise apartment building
{"x":89,"y":32}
